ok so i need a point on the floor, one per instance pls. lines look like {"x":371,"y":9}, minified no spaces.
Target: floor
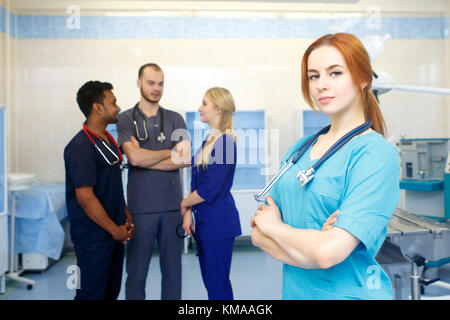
{"x":254,"y":276}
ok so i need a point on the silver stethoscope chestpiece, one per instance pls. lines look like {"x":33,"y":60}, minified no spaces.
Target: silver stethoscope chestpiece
{"x":305,"y":176}
{"x":161,"y":138}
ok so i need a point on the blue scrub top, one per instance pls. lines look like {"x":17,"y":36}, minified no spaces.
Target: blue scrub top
{"x":362,"y":181}
{"x":85,"y":166}
{"x":217,"y":218}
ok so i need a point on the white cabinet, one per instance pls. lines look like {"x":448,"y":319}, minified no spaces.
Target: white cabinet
{"x":246,"y":206}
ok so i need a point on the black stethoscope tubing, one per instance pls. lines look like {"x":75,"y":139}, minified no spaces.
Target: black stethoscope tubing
{"x":182,"y":234}
{"x":161,"y":138}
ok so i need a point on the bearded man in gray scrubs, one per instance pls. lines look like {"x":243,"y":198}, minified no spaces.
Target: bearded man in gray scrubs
{"x":152,"y":139}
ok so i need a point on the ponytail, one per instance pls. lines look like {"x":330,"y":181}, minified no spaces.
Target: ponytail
{"x":372,"y":112}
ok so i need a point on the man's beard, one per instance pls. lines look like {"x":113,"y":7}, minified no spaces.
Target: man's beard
{"x":114,"y":120}
{"x":147,"y":98}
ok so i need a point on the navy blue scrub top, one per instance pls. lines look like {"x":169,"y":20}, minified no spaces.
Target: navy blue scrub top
{"x":217,"y":218}
{"x":85,"y":166}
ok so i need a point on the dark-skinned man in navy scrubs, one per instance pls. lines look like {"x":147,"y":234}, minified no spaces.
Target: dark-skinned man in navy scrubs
{"x":100,"y":223}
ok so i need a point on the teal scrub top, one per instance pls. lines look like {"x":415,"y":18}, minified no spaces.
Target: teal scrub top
{"x":361,"y":180}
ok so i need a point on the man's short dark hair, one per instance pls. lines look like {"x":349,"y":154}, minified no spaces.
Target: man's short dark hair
{"x":148,"y":65}
{"x":90,"y":93}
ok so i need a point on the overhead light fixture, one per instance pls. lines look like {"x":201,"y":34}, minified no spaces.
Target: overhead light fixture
{"x":238,"y":14}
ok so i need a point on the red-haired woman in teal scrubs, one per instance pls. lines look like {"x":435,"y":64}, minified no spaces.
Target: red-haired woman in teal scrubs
{"x":361,"y":180}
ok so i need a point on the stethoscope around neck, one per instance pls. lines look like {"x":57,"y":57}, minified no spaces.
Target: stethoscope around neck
{"x":306,"y":175}
{"x":161,"y":137}
{"x":118,"y":157}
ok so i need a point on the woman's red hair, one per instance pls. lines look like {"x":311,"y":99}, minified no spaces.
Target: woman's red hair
{"x":358,"y":62}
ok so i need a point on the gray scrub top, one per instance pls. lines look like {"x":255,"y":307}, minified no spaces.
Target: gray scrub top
{"x":152,"y":190}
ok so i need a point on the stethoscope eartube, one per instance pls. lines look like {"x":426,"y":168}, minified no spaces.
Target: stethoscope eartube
{"x":161,"y":137}
{"x":306,"y":175}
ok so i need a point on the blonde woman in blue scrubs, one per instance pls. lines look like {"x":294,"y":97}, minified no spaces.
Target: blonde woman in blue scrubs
{"x":359,"y":184}
{"x":210,"y":201}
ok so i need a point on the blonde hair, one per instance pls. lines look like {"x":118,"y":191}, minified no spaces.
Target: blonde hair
{"x":222,"y":99}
